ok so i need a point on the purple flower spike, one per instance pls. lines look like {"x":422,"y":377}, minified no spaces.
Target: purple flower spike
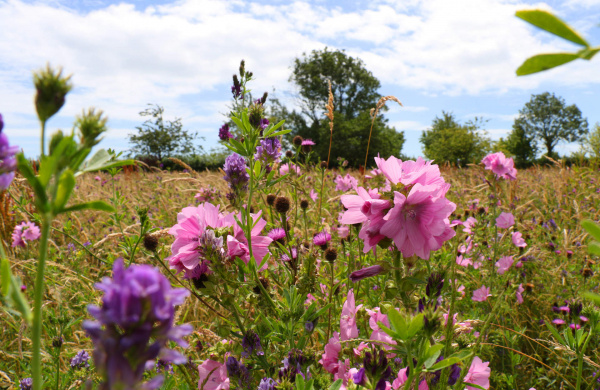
{"x":134,"y":325}
{"x":8,"y":162}
{"x":235,"y":171}
{"x":224,"y":133}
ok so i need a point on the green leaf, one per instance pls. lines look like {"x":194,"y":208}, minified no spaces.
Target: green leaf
{"x":432,"y":354}
{"x":592,"y":228}
{"x":399,"y":324}
{"x":543,"y":62}
{"x":241,"y":149}
{"x":66,"y":183}
{"x":452,"y":359}
{"x":555,"y":333}
{"x":336,"y":385}
{"x":391,"y":332}
{"x":594,"y":248}
{"x":257,"y":167}
{"x":238,"y":122}
{"x":592,"y":296}
{"x":40,"y":191}
{"x":415,"y":325}
{"x":5,"y":276}
{"x":273,"y":128}
{"x":282,"y":132}
{"x":95,"y":205}
{"x":475,"y":386}
{"x":102,"y":160}
{"x":548,"y":22}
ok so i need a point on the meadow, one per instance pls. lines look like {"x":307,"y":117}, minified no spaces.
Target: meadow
{"x":282,"y":332}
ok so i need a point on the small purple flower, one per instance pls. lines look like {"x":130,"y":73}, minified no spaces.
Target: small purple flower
{"x":321,"y":239}
{"x":267,"y":384}
{"x":277,"y":234}
{"x":26,"y":384}
{"x":224,"y":133}
{"x":268,"y":152}
{"x":367,"y":272}
{"x":454,"y":374}
{"x":239,"y":376}
{"x":309,"y":326}
{"x":251,"y":344}
{"x":8,"y":162}
{"x":360,"y":377}
{"x":286,"y":257}
{"x":134,"y":325}
{"x":80,"y":360}
{"x":264,"y":123}
{"x":235,"y":171}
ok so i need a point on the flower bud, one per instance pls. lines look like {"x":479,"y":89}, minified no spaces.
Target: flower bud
{"x":51,"y":89}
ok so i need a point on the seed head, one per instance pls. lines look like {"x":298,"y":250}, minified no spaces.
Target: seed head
{"x":150,"y":242}
{"x":271,"y":199}
{"x":330,"y":254}
{"x":298,"y":140}
{"x":282,"y":204}
{"x":304,"y":204}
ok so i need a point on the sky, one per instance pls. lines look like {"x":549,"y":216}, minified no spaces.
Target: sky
{"x":458,"y":56}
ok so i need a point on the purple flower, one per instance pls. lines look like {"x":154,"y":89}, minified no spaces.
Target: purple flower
{"x":224,"y":133}
{"x":308,"y":142}
{"x":321,"y":239}
{"x":268,"y":152}
{"x":251,"y":344}
{"x":8,"y":163}
{"x":286,"y":257}
{"x":80,"y":360}
{"x":134,"y":325}
{"x":264,"y":122}
{"x":235,"y":171}
{"x":267,"y":384}
{"x":239,"y":376}
{"x":366,"y":273}
{"x":26,"y":384}
{"x":277,"y":234}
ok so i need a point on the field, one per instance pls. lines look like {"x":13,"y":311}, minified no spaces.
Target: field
{"x":510,"y":328}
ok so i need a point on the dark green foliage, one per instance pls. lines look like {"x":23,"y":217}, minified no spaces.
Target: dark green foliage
{"x":547,"y":119}
{"x":450,"y":141}
{"x":158,"y":138}
{"x":354,"y":89}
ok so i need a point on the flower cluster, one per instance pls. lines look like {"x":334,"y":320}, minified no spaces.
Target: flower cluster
{"x":8,"y":163}
{"x":235,"y":171}
{"x":24,"y":232}
{"x":268,"y":152}
{"x":134,"y":324}
{"x":414,"y":214}
{"x":345,"y":183}
{"x":500,"y":165}
{"x":224,"y":134}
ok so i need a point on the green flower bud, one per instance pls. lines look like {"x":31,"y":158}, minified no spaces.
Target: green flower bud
{"x":90,"y":126}
{"x":51,"y":89}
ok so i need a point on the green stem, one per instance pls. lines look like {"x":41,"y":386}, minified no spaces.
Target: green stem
{"x":330,"y":298}
{"x":36,"y":361}
{"x":43,"y":139}
{"x":409,"y":380}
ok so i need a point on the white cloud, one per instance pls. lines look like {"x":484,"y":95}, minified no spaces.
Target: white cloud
{"x":408,"y":125}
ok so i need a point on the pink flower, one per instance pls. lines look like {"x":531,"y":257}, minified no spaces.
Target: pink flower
{"x":329,"y":359}
{"x":213,"y":376}
{"x":479,"y":374}
{"x":97,"y":178}
{"x":418,"y":223}
{"x":504,"y":264}
{"x":368,"y":209}
{"x":289,"y":167}
{"x":348,"y":327}
{"x":345,"y":183}
{"x":481,"y":294}
{"x":468,"y":225}
{"x":410,"y":172}
{"x":237,"y":245}
{"x":25,"y":231}
{"x":193,"y":232}
{"x":503,"y":167}
{"x":343,"y":231}
{"x":518,"y":241}
{"x":463,"y":261}
{"x":519,"y":293}
{"x":401,"y":379}
{"x":505,"y":220}
{"x":313,"y":195}
{"x":379,"y":334}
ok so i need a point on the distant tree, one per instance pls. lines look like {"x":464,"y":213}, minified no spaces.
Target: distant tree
{"x":450,"y":141}
{"x":591,"y":142}
{"x":547,"y":119}
{"x":158,"y":138}
{"x":520,"y":146}
{"x":355,"y":92}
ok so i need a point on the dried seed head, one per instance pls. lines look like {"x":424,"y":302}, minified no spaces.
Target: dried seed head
{"x":150,"y":242}
{"x":298,"y":140}
{"x":282,"y":204}
{"x":289,"y":154}
{"x":331,"y":254}
{"x":304,"y":204}
{"x":271,"y":199}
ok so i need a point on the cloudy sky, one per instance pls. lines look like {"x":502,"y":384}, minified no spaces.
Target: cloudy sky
{"x":433,"y":55}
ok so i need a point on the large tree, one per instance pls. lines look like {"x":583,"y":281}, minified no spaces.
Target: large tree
{"x":453,"y":142}
{"x":354,"y":90}
{"x":158,"y":138}
{"x":547,"y":119}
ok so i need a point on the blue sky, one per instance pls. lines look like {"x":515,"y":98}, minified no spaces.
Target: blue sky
{"x":433,"y":55}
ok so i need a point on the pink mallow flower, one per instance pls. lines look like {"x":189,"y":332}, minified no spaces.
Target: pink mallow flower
{"x":329,"y":359}
{"x":418,"y":223}
{"x":213,"y":376}
{"x":289,"y":167}
{"x":479,"y":374}
{"x":518,"y":241}
{"x":505,"y":220}
{"x":345,"y":183}
{"x":504,"y":264}
{"x":25,"y":231}
{"x":348,"y":327}
{"x":192,"y":232}
{"x":503,"y":167}
{"x":481,"y":294}
{"x":368,"y":209}
{"x":313,"y":195}
{"x":378,"y":334}
{"x":237,"y":245}
{"x":519,"y":293}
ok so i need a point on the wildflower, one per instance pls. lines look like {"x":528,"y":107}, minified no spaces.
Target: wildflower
{"x":505,"y":220}
{"x":24,"y":232}
{"x":343,"y":231}
{"x":239,"y":376}
{"x":366,"y":272}
{"x":321,"y":239}
{"x":80,"y":360}
{"x":277,"y":234}
{"x":289,"y":167}
{"x":503,"y":167}
{"x":518,"y":241}
{"x":135,"y":324}
{"x":504,"y":264}
{"x":558,"y":321}
{"x":329,"y":359}
{"x":435,"y":284}
{"x":26,"y":384}
{"x":235,"y":171}
{"x":267,"y":384}
{"x":454,"y":374}
{"x":268,"y":152}
{"x":378,"y":334}
{"x":304,"y":204}
{"x":8,"y":163}
{"x":282,"y":204}
{"x":481,"y":294}
{"x":330,"y":254}
{"x":519,"y":293}
{"x":251,"y":344}
{"x":150,"y":242}
{"x":478,"y":374}
{"x":307,"y":145}
{"x":400,"y":379}
{"x":224,"y":133}
{"x":298,"y":140}
{"x":313,"y":195}
{"x":237,"y":244}
{"x":366,"y":208}
{"x":213,"y":376}
{"x":345,"y":183}
{"x":294,"y":252}
{"x":348,"y":327}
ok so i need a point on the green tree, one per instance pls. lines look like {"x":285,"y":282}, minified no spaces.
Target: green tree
{"x":450,"y":141}
{"x":591,"y":142}
{"x":520,"y":146}
{"x":158,"y":138}
{"x":547,"y":119}
{"x":354,"y":89}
